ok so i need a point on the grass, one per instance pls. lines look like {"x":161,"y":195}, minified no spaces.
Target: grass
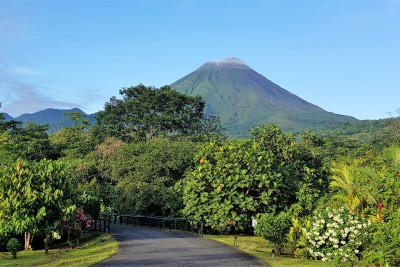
{"x":101,"y":246}
{"x":260,"y":248}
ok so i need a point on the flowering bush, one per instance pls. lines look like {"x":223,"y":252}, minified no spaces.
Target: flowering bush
{"x":76,"y":224}
{"x":336,"y":235}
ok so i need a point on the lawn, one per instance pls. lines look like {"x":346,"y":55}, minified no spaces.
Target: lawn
{"x":260,"y":248}
{"x":98,"y":248}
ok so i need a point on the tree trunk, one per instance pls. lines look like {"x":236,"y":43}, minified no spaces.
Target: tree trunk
{"x":47,"y":243}
{"x":28,"y":238}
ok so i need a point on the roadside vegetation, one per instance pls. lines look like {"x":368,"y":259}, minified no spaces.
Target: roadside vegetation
{"x":331,"y":197}
{"x":97,"y":248}
{"x":262,"y":249}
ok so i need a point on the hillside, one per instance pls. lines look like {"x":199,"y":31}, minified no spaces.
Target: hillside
{"x":7,"y":117}
{"x":243,"y":98}
{"x":55,"y":118}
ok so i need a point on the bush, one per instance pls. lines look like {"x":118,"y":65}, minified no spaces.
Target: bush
{"x":336,"y":235}
{"x":297,"y":238}
{"x":76,"y":225}
{"x":274,"y":228}
{"x":384,"y":248}
{"x":13,"y":246}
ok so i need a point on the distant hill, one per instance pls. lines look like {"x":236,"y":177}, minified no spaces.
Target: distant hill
{"x":243,"y":99}
{"x":7,"y":117}
{"x":55,"y":118}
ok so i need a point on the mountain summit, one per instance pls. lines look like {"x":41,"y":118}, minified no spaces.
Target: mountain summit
{"x":232,"y":61}
{"x":243,"y":99}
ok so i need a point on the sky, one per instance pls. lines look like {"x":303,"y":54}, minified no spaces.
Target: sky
{"x":342,"y":55}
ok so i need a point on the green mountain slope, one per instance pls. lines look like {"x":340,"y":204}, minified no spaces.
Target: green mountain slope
{"x":55,"y":118}
{"x":243,"y":98}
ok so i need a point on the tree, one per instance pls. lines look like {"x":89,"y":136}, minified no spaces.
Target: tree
{"x":75,"y":141}
{"x":147,"y":112}
{"x":32,"y":142}
{"x":233,"y":181}
{"x":33,"y":196}
{"x":8,"y":125}
{"x":145,"y":175}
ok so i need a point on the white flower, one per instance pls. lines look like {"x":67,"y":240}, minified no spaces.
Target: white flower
{"x":56,"y":235}
{"x":335,"y":246}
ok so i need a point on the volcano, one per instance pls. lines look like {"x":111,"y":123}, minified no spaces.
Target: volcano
{"x":243,"y":99}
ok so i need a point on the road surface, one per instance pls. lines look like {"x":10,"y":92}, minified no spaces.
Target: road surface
{"x":152,"y":247}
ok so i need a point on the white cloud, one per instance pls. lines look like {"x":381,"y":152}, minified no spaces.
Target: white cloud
{"x":23,"y":71}
{"x":19,"y":96}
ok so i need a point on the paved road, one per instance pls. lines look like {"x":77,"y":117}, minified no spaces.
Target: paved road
{"x":144,"y":247}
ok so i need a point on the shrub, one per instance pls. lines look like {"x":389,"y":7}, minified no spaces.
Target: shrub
{"x":384,"y":249}
{"x":274,"y":228}
{"x":297,"y":238}
{"x":336,"y":235}
{"x":76,"y":225}
{"x":14,"y":246}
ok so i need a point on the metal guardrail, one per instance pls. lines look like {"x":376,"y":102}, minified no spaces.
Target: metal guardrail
{"x":104,"y":225}
{"x":171,"y":223}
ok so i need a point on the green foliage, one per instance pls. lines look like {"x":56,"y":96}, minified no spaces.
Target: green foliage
{"x":385,"y":242}
{"x":32,"y":142}
{"x":262,"y":249}
{"x":51,"y":233}
{"x":222,"y":189}
{"x":297,"y":237}
{"x":337,"y":235}
{"x":145,"y":174}
{"x":274,"y":228}
{"x":98,"y":247}
{"x":33,"y":196}
{"x":76,"y":225}
{"x":235,"y":180}
{"x":14,"y":246}
{"x":76,"y":141}
{"x":8,"y":125}
{"x":147,"y":112}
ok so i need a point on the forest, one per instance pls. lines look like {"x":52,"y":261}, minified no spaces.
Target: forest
{"x":332,"y":195}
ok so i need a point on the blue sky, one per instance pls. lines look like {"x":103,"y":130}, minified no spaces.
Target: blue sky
{"x":342,"y":55}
